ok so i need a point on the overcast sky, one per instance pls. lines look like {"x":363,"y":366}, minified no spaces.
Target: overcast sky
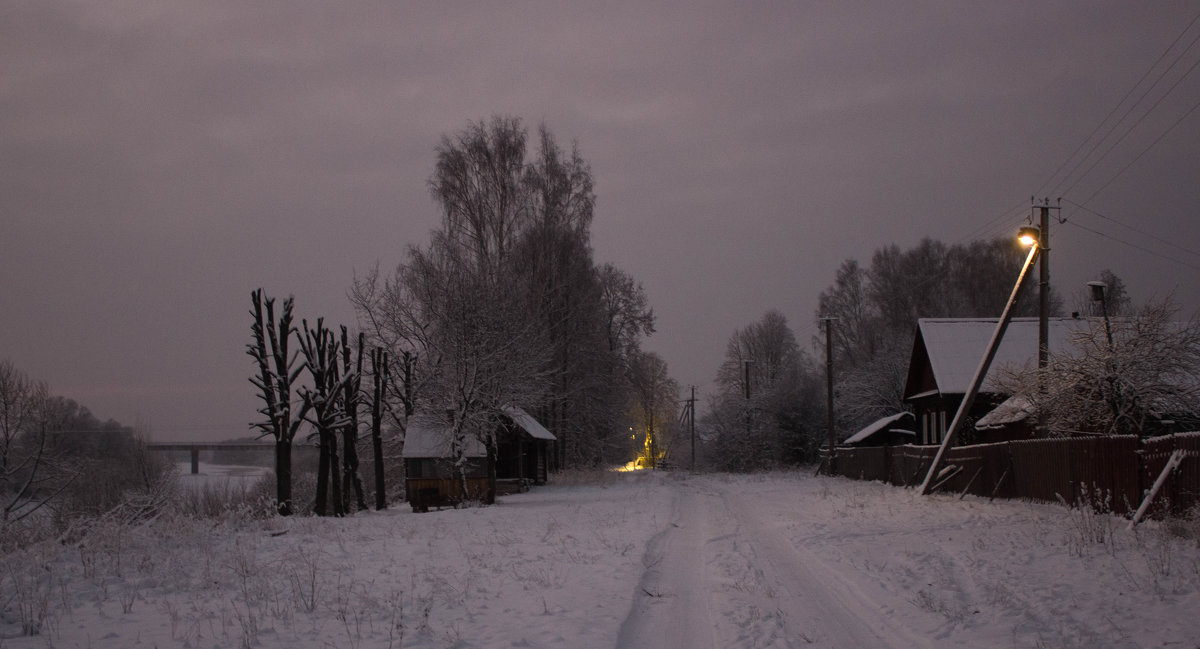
{"x":160,"y":160}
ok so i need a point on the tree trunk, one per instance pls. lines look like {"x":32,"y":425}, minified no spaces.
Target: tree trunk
{"x":335,"y":481}
{"x":283,"y":477}
{"x":319,"y":508}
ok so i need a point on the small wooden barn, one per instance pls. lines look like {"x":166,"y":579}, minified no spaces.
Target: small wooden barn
{"x":433,"y":480}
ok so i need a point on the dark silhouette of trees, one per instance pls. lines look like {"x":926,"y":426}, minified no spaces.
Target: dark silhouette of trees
{"x":505,"y":305}
{"x":767,"y":410}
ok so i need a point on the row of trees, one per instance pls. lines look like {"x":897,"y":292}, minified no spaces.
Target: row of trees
{"x":506,"y":306}
{"x":329,"y":398}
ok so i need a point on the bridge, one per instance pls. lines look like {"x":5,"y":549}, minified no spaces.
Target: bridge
{"x":194,"y":448}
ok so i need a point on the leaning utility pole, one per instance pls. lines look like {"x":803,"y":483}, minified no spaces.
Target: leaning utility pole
{"x":964,"y":407}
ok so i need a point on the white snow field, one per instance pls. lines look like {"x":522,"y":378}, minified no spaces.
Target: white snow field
{"x":640,"y":561}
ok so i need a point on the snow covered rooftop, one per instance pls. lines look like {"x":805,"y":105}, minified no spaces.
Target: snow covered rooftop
{"x":528,"y":423}
{"x":892,"y":422}
{"x":429,"y":436}
{"x":1012,"y":410}
{"x":955,"y":346}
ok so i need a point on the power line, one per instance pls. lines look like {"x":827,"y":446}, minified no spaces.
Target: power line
{"x":1139,"y":156}
{"x":1137,"y":123}
{"x":1134,"y":245}
{"x":1139,"y":231}
{"x":1041,"y":190}
{"x":1131,"y":108}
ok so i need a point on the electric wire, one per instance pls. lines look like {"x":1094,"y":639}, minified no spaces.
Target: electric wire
{"x":1134,"y":245}
{"x":1132,"y":107}
{"x":1041,"y":190}
{"x":1143,"y":152}
{"x":1140,"y":232}
{"x":1137,"y":123}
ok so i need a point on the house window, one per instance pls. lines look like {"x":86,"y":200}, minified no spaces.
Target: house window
{"x":941,"y":425}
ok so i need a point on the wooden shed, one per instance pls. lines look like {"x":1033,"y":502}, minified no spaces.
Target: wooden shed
{"x":433,"y":480}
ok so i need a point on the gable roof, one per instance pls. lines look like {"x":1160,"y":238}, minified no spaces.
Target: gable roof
{"x":429,"y":436}
{"x":947,"y":351}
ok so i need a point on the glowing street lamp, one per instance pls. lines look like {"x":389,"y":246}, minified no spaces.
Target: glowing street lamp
{"x":1028,"y":235}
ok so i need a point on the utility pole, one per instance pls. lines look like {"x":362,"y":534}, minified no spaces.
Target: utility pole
{"x":829,"y":390}
{"x":1044,"y":302}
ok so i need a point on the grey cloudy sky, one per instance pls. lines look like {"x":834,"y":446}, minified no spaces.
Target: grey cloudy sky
{"x":159,"y":160}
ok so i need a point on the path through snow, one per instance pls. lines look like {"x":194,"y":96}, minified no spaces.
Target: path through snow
{"x":723,"y":574}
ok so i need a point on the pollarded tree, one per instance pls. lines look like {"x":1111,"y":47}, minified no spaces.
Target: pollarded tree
{"x":326,"y":410}
{"x":277,"y":373}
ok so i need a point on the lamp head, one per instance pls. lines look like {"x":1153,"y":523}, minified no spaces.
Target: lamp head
{"x":1028,"y":235}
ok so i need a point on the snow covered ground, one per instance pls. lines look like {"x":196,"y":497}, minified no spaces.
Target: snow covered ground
{"x":642,"y":560}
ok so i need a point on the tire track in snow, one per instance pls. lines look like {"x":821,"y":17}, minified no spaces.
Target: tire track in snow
{"x":671,"y":606}
{"x":720,"y":557}
{"x":819,"y":608}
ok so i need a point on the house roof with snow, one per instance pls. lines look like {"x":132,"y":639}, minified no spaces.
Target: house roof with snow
{"x":1013,"y":410}
{"x":947,"y":351}
{"x":429,"y":436}
{"x":901,"y":423}
{"x":528,"y":423}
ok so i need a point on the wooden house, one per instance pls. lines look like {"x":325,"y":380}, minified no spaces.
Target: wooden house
{"x":946,"y":354}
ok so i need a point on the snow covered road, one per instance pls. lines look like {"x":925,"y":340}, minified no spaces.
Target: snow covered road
{"x":648,"y":560}
{"x":723,"y":575}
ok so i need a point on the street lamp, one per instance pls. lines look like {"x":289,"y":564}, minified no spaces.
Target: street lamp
{"x":1030,"y":237}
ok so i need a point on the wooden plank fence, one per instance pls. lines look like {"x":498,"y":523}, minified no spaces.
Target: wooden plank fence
{"x":1111,"y":472}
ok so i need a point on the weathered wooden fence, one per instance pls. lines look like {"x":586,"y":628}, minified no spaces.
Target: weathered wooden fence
{"x":1114,"y":472}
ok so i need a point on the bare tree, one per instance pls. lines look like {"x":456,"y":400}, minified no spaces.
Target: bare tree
{"x":351,"y":395}
{"x":379,"y":378}
{"x":27,"y":482}
{"x":1150,"y":371}
{"x":328,"y":416}
{"x":277,"y":372}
